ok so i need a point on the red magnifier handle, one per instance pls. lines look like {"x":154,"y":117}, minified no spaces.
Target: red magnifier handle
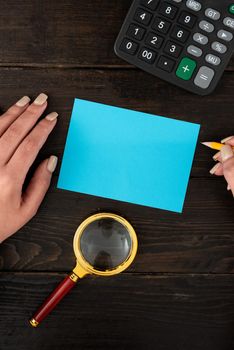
{"x":55,"y":297}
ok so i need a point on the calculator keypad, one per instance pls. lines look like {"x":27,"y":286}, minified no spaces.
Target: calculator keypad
{"x":185,"y":39}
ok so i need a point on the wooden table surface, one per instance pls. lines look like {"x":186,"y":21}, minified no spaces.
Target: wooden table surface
{"x":179,"y":293}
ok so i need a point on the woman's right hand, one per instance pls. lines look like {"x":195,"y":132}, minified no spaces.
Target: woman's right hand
{"x":225,"y":165}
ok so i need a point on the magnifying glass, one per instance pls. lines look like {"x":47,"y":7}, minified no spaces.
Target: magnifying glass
{"x":104,"y":244}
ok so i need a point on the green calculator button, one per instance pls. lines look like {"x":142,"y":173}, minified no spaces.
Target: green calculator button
{"x":186,"y":68}
{"x":231,"y":9}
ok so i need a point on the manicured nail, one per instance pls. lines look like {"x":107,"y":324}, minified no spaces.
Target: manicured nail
{"x":226,"y":153}
{"x":23,"y":101}
{"x":40,"y":100}
{"x":228,"y":188}
{"x":215,"y":168}
{"x":52,"y":163}
{"x":227,"y":139}
{"x":216,"y":156}
{"x":52,"y":116}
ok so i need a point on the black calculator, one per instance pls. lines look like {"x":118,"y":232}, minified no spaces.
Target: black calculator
{"x":185,"y":42}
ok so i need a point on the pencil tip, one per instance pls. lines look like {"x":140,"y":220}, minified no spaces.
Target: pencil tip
{"x":207,"y":144}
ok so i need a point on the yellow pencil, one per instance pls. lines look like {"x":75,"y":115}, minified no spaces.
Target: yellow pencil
{"x":214,"y":145}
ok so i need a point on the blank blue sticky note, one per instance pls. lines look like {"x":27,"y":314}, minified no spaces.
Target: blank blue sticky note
{"x":128,"y":156}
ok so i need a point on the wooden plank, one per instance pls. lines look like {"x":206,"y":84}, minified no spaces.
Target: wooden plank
{"x":199,"y":240}
{"x":129,"y":89}
{"x":124,"y":312}
{"x":62,"y":33}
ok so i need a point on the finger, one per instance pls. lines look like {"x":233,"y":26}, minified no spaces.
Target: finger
{"x":228,"y":165}
{"x":28,"y":150}
{"x":217,"y":157}
{"x":228,"y":140}
{"x":17,"y":131}
{"x":217,"y":170}
{"x":38,"y":187}
{"x":13,"y":113}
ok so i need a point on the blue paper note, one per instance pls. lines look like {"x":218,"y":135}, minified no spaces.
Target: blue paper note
{"x":128,"y":156}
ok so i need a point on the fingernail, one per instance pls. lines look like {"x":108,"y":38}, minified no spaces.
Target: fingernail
{"x":41,"y":99}
{"x":52,"y":116}
{"x":23,"y":101}
{"x":228,"y":188}
{"x":226,"y":153}
{"x":215,"y":168}
{"x":227,"y":139}
{"x":216,"y":156}
{"x":52,"y":163}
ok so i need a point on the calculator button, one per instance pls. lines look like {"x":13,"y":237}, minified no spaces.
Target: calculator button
{"x":231,"y":9}
{"x":151,"y":4}
{"x":212,"y":14}
{"x":161,"y":26}
{"x":147,"y":55}
{"x":224,"y":35}
{"x":168,"y":10}
{"x":154,"y":40}
{"x":186,"y":68}
{"x":129,"y":46}
{"x":193,"y":5}
{"x":136,"y":32}
{"x":166,"y":64}
{"x":142,"y":16}
{"x":187,"y":19}
{"x":173,"y":49}
{"x":212,"y":59}
{"x":194,"y":50}
{"x":204,"y":77}
{"x":216,"y":46}
{"x":229,"y":22}
{"x":200,"y":38}
{"x":180,"y":34}
{"x":206,"y":26}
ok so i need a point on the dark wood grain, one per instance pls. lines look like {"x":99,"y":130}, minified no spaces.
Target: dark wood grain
{"x":178,"y":294}
{"x":123,"y":312}
{"x":62,"y":33}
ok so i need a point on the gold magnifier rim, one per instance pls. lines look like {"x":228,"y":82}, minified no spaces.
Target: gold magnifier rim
{"x":88,"y":267}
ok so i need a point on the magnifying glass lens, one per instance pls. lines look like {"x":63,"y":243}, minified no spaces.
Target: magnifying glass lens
{"x":105,"y":244}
